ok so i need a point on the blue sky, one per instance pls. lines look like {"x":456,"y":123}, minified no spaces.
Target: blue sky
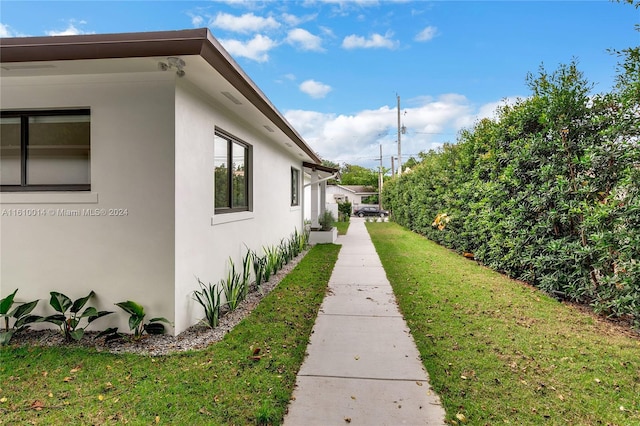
{"x":334,"y":67}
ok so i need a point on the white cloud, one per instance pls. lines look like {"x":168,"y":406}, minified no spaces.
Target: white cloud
{"x":315,"y":89}
{"x":197,"y":20}
{"x":356,"y":138}
{"x":294,"y":21}
{"x":70,"y":30}
{"x":256,"y":49}
{"x":427,"y":34}
{"x":246,"y":23}
{"x":304,"y":40}
{"x":7,"y":31}
{"x":375,"y":41}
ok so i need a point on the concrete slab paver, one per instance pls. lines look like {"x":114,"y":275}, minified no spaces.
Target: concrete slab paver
{"x":362,"y":365}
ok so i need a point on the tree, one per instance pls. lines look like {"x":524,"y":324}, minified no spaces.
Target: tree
{"x":357,"y":175}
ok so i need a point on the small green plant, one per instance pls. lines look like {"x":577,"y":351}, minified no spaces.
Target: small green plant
{"x":20,"y":314}
{"x":303,"y":239}
{"x":259,"y":268}
{"x":246,"y":273}
{"x":69,"y":316}
{"x":136,"y":320}
{"x":234,"y":288}
{"x":209,"y":297}
{"x":273,"y":260}
{"x":286,"y":251}
{"x":344,"y":211}
{"x":326,"y":220}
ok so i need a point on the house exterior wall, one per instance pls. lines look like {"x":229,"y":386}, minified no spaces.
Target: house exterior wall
{"x":332,"y":190}
{"x":126,"y":256}
{"x":204,"y":241}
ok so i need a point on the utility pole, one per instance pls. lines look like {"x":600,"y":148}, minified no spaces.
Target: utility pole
{"x":399,"y":141}
{"x":393,"y":167}
{"x":380,"y":181}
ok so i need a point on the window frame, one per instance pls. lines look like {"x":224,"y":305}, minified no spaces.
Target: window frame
{"x":295,"y":187}
{"x":248,"y":174}
{"x":24,"y":116}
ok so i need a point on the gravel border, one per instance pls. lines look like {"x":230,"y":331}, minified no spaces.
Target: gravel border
{"x":195,"y":337}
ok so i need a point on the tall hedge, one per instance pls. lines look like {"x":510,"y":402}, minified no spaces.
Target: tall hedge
{"x":548,"y":192}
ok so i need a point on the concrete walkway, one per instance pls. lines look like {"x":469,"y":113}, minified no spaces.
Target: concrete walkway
{"x":362,"y":365}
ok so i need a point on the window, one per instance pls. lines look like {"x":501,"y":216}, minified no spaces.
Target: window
{"x":232,"y":174}
{"x":295,"y":187}
{"x":45,"y":150}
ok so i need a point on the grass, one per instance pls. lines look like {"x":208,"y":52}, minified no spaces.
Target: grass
{"x":342,"y":227}
{"x":223,"y":384}
{"x":501,"y":352}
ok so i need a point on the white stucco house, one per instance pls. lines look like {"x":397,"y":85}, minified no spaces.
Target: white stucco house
{"x":130,"y":164}
{"x":349,"y":193}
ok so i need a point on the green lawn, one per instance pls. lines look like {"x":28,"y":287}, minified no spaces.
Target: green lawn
{"x":219,"y":385}
{"x":500,"y":352}
{"x":342,"y":227}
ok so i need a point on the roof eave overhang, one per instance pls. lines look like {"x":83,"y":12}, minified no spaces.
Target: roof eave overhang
{"x":150,"y":44}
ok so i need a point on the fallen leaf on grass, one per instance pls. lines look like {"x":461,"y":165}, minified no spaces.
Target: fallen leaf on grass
{"x":157,"y":419}
{"x":100,"y":397}
{"x":75,"y":369}
{"x":67,"y":379}
{"x":37,"y":405}
{"x":461,"y":417}
{"x":3,"y":399}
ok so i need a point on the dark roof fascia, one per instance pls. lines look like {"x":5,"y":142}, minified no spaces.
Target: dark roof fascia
{"x":320,"y":167}
{"x":149,"y":44}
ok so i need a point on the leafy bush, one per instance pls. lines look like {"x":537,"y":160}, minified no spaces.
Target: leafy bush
{"x":548,"y":192}
{"x":136,"y":320}
{"x":344,"y":211}
{"x":259,"y":269}
{"x":209,"y":297}
{"x":234,"y":287}
{"x":326,"y":220}
{"x":20,"y":314}
{"x":69,"y":317}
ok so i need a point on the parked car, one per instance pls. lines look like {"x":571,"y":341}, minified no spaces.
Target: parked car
{"x":370,"y":211}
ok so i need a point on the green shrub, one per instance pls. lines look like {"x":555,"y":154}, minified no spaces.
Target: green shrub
{"x":20,"y":314}
{"x":136,"y":320}
{"x":326,"y":220}
{"x":209,"y":297}
{"x":69,"y":316}
{"x":548,"y":192}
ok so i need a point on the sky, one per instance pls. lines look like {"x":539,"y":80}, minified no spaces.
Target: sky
{"x":335,"y":68}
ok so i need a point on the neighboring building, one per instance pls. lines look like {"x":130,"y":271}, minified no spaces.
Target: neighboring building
{"x":133,"y":163}
{"x":355,"y":194}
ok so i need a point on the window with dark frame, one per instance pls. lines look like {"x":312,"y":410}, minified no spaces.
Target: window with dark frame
{"x":232,"y":173}
{"x":295,"y":187}
{"x":48,"y":150}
